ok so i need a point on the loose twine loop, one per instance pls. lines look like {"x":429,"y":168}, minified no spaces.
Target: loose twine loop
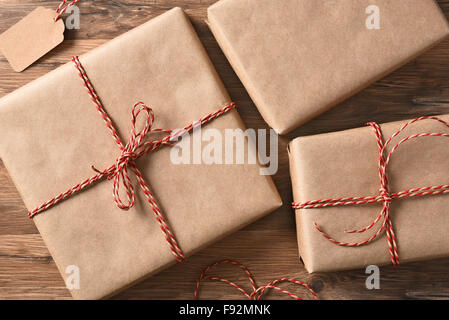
{"x":256,"y":293}
{"x":385,"y":197}
{"x":63,"y":6}
{"x":138,"y":145}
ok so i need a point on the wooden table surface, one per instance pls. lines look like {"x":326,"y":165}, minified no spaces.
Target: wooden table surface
{"x":268,"y":246}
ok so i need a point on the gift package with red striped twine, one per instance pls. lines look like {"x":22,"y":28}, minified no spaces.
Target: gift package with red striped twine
{"x":385,"y":220}
{"x":138,"y":145}
{"x":256,"y":292}
{"x":62,"y":141}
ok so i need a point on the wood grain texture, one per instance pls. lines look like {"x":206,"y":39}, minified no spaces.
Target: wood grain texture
{"x":268,"y":247}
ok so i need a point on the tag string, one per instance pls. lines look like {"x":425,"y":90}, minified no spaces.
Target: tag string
{"x":63,"y":6}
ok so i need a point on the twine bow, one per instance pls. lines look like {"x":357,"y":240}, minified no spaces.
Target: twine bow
{"x":385,"y":197}
{"x":138,"y":145}
{"x":256,"y":293}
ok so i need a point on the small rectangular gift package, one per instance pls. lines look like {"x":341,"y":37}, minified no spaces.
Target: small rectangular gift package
{"x":299,"y":58}
{"x":53,"y":137}
{"x":398,"y":203}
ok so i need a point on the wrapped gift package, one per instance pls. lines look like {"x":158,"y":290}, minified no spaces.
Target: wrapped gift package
{"x":51,"y":137}
{"x":299,"y":58}
{"x":345,"y":165}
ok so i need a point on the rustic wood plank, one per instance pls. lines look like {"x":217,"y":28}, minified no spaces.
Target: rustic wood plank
{"x":268,"y":246}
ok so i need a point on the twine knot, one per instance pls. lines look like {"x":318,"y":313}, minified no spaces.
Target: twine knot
{"x":386,"y":197}
{"x":123,"y":161}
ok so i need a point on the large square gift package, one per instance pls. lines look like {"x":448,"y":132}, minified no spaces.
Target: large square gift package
{"x":299,"y":58}
{"x":52,"y":138}
{"x":398,"y":203}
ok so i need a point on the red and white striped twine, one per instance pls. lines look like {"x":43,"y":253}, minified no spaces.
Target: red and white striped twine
{"x":137,"y":146}
{"x":256,"y":293}
{"x":385,"y":197}
{"x":63,"y":6}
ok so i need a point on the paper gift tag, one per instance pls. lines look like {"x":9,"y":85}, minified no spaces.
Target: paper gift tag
{"x":31,"y":38}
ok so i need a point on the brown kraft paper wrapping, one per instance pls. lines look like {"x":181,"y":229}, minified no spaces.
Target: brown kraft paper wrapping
{"x":345,"y":164}
{"x":51,"y":134}
{"x":299,"y":58}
